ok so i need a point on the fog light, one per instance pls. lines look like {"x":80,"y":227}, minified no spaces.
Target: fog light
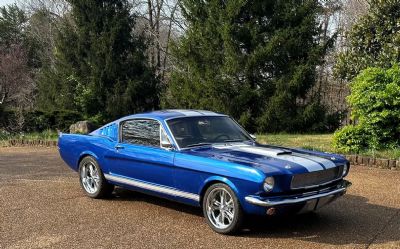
{"x":271,"y":211}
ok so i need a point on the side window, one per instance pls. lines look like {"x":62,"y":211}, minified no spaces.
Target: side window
{"x":141,"y":131}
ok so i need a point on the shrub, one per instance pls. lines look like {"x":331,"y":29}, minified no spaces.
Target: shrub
{"x":54,"y":120}
{"x":375,"y":103}
{"x":351,"y":139}
{"x":38,"y":121}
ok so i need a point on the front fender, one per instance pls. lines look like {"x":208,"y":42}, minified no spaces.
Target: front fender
{"x":240,"y":188}
{"x":214,"y":179}
{"x":194,"y":174}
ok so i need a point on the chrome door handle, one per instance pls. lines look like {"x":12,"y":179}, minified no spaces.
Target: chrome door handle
{"x":117,"y":147}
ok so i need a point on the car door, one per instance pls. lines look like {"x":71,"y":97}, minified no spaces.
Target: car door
{"x":139,"y":155}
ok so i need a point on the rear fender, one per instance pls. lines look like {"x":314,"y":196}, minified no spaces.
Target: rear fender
{"x":84,"y":154}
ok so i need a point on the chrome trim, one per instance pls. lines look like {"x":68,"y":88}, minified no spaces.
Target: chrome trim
{"x":175,"y":144}
{"x":268,"y":203}
{"x":162,"y":130}
{"x":200,"y":115}
{"x":217,"y":115}
{"x":172,"y":135}
{"x":152,"y":187}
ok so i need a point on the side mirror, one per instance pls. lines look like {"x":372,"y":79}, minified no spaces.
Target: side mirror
{"x":253,"y":136}
{"x":166,"y":145}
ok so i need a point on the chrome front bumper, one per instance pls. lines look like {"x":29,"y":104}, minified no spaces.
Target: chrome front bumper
{"x":308,"y":196}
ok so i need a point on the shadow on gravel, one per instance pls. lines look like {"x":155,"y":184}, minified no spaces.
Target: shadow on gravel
{"x":349,"y":220}
{"x":121,"y":194}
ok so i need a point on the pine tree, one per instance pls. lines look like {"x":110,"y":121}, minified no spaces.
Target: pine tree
{"x":255,"y":60}
{"x":100,"y":66}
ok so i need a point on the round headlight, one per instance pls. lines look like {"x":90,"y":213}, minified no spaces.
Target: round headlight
{"x":268,"y":183}
{"x":345,"y":169}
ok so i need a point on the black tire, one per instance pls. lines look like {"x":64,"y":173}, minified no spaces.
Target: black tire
{"x":103,"y":189}
{"x":238,"y":214}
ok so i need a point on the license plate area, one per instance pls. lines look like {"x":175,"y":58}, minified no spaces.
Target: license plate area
{"x":325,"y":201}
{"x":315,"y":204}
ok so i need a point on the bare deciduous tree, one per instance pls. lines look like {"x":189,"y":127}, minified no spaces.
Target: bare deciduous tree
{"x":55,"y":7}
{"x":338,"y":18}
{"x":44,"y":23}
{"x":160,"y":20}
{"x":16,"y":85}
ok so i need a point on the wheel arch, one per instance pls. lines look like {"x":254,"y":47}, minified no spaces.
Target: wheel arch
{"x":85,"y":154}
{"x":214,"y":180}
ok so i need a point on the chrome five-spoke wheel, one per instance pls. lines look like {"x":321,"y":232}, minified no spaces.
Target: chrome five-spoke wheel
{"x":222,"y":209}
{"x":92,"y":179}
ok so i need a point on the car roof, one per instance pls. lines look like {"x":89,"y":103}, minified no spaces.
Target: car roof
{"x":173,"y":113}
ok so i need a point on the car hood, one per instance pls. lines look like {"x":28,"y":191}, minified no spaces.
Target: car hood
{"x":271,"y":159}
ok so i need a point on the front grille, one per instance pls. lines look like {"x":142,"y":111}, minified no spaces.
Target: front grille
{"x":316,"y":178}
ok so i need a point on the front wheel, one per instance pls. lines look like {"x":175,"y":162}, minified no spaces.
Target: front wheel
{"x":92,"y":179}
{"x":222,"y":209}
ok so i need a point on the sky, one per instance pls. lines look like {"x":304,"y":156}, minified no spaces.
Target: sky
{"x":5,"y":2}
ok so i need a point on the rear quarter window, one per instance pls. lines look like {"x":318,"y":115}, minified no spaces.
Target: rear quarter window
{"x":141,"y":132}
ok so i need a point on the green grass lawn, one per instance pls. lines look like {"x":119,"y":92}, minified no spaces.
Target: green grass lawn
{"x":47,"y":135}
{"x":320,"y":142}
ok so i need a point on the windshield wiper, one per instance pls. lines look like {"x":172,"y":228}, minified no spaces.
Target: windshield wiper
{"x":198,"y":144}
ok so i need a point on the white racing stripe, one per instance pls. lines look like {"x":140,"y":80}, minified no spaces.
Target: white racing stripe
{"x":328,"y":164}
{"x":310,"y":165}
{"x":152,"y":187}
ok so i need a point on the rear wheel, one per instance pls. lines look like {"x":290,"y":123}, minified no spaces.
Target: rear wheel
{"x":222,"y":209}
{"x":92,"y":179}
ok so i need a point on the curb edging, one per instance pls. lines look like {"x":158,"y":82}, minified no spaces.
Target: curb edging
{"x":37,"y":142}
{"x":381,"y":163}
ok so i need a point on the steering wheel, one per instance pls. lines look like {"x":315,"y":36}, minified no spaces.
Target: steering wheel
{"x":220,"y":136}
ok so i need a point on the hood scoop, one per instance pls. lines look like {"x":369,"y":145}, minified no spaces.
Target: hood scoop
{"x":284,"y":152}
{"x":270,"y":152}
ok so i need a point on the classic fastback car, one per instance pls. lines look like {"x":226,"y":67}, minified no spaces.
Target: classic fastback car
{"x":204,"y":159}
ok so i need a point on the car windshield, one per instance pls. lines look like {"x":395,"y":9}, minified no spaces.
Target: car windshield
{"x":198,"y":131}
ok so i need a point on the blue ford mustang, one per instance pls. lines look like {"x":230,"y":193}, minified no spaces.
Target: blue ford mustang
{"x":205,"y":159}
